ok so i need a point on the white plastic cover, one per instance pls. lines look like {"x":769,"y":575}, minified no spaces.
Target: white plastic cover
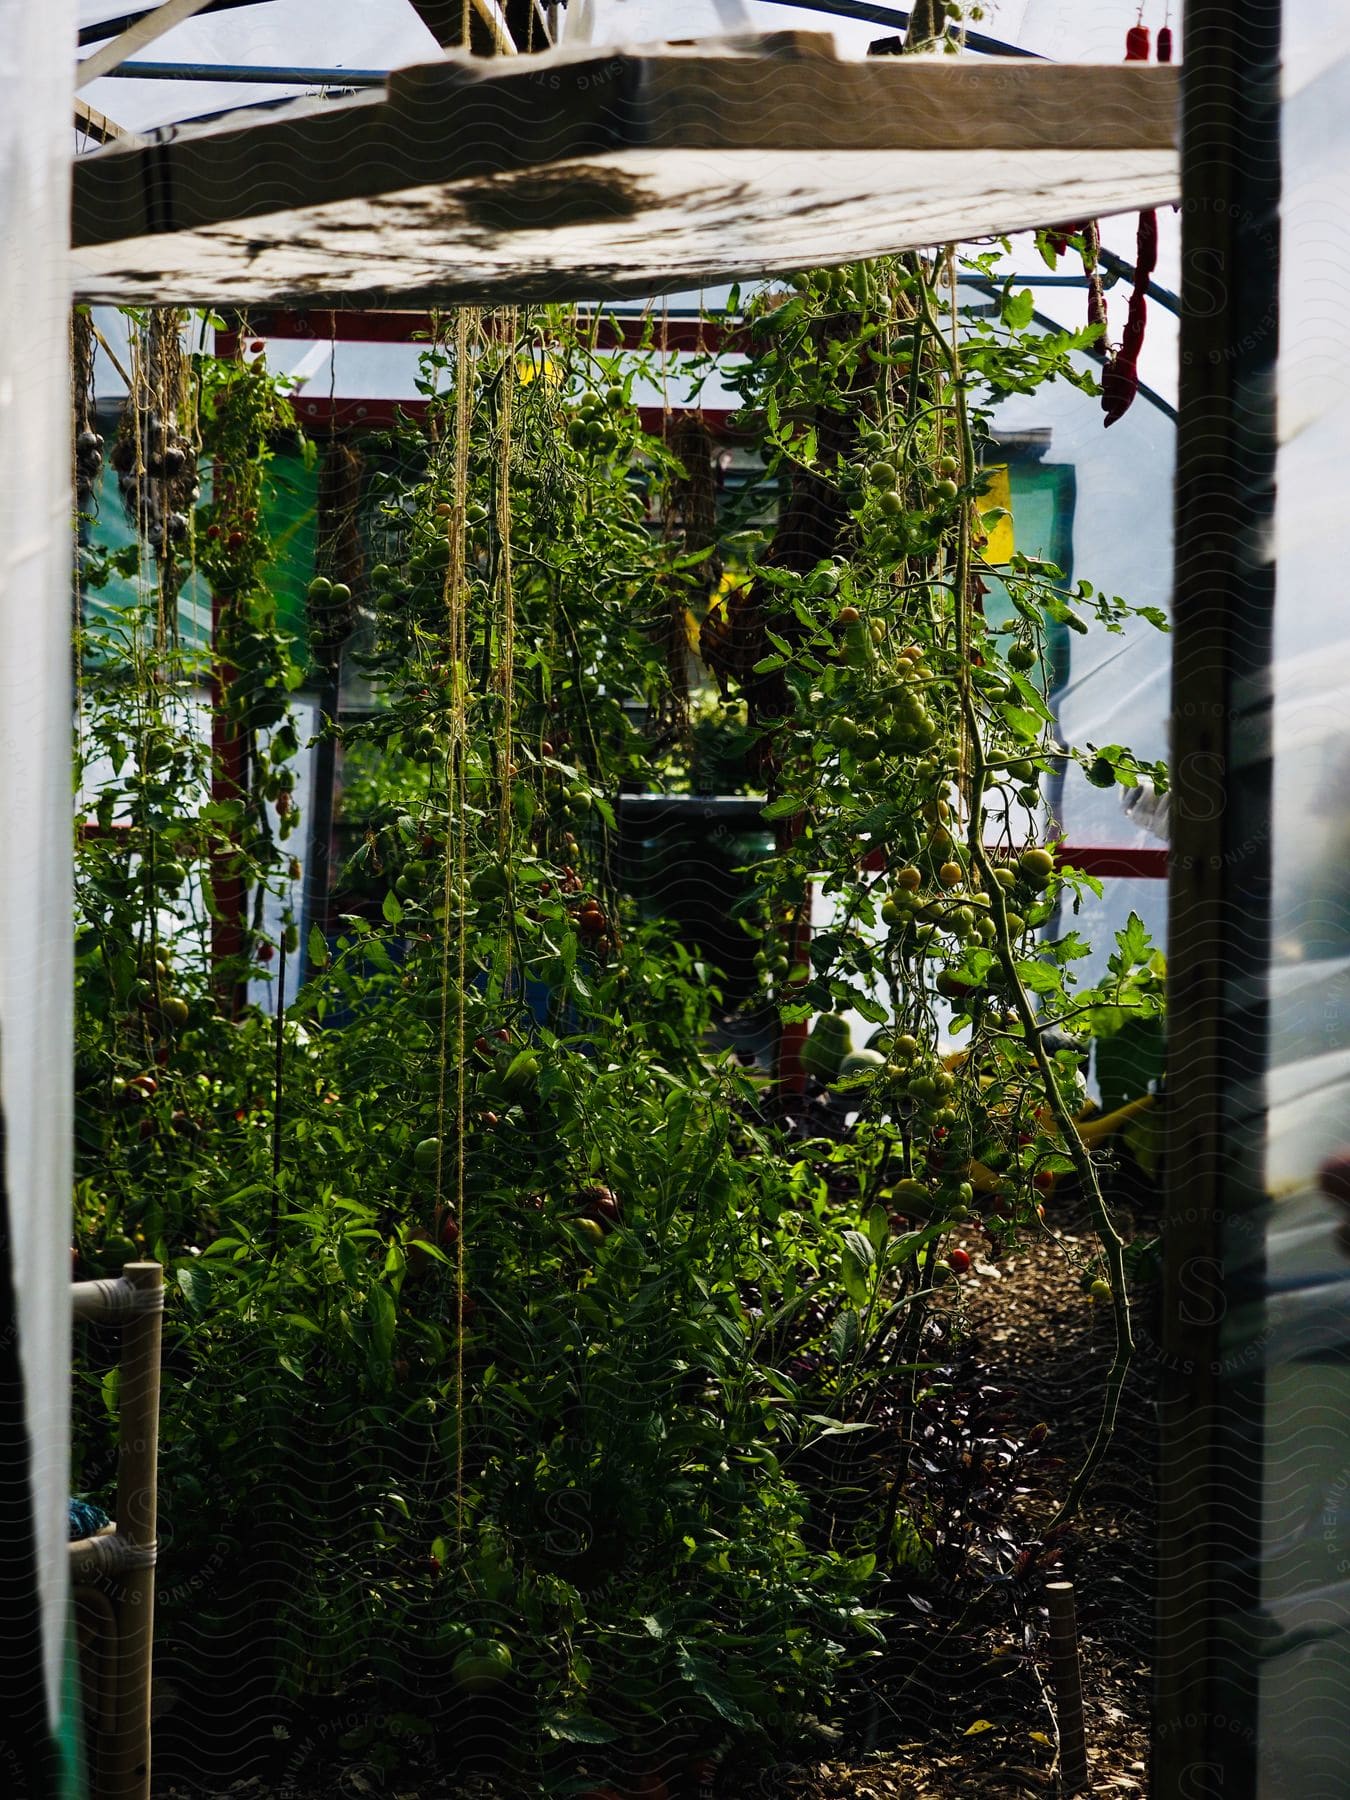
{"x":1304,"y":1725}
{"x":37,"y":48}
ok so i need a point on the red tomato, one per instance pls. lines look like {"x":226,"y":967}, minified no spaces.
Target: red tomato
{"x":958,"y":1260}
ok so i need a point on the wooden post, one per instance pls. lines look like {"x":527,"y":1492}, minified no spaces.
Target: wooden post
{"x":128,"y":1759}
{"x":1067,"y":1681}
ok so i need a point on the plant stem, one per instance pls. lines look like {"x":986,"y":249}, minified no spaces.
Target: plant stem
{"x":1113,"y":1248}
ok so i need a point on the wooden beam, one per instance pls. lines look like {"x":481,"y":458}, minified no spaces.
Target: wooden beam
{"x":511,"y":27}
{"x":98,"y":125}
{"x":582,"y":174}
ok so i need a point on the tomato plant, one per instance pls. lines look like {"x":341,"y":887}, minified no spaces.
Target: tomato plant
{"x":541,"y":1349}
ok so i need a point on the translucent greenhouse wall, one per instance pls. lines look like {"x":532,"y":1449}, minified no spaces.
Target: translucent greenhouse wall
{"x":1254,"y":1360}
{"x":1304,"y":1726}
{"x":37,"y":47}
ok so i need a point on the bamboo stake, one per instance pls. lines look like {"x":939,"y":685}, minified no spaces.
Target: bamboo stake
{"x":1066,"y":1678}
{"x":128,"y":1759}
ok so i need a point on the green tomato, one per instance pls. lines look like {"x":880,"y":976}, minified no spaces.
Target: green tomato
{"x":859,"y":650}
{"x":882,"y":474}
{"x":1037,"y":865}
{"x":522,"y":1074}
{"x":426,"y":1156}
{"x":481,"y":1666}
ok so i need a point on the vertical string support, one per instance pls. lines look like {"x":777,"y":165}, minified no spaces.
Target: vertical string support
{"x":505,"y":586}
{"x":456,"y":861}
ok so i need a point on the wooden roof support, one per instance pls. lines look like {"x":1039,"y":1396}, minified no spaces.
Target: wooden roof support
{"x":512,"y":26}
{"x":578,"y":174}
{"x":99,"y":126}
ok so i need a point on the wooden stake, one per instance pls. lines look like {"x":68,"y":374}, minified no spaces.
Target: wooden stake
{"x":1066,"y":1679}
{"x":137,"y":1522}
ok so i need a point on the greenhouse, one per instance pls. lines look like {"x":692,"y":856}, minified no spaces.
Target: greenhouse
{"x":675,"y":956}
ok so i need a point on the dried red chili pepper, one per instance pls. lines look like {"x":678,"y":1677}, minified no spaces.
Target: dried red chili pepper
{"x":1120,"y":384}
{"x":1165,"y":44}
{"x":1133,"y":341}
{"x":1120,"y":378}
{"x":1146,"y":247}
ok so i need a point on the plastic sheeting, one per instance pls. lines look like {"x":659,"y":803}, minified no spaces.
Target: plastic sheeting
{"x":37,"y":47}
{"x":1304,"y":1727}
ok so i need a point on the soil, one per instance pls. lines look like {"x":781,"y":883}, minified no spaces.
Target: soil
{"x":971,"y":1714}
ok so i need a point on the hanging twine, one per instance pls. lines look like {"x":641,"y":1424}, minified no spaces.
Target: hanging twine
{"x":456,"y":865}
{"x":505,"y":584}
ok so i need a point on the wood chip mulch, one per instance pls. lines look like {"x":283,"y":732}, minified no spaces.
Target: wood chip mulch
{"x":1042,"y":1339}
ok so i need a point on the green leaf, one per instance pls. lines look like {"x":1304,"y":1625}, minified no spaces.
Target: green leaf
{"x":835,"y":1428}
{"x":383,"y":1319}
{"x":861,"y":1248}
{"x":782,"y":808}
{"x":391,"y":909}
{"x":195,"y":1283}
{"x":857,"y":1259}
{"x":578,"y":1728}
{"x":318,"y":948}
{"x":844,"y":1335}
{"x":1039,"y":977}
{"x":1133,"y":945}
{"x":1019,"y":309}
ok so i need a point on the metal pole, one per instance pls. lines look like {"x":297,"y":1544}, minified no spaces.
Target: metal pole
{"x":263,"y":76}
